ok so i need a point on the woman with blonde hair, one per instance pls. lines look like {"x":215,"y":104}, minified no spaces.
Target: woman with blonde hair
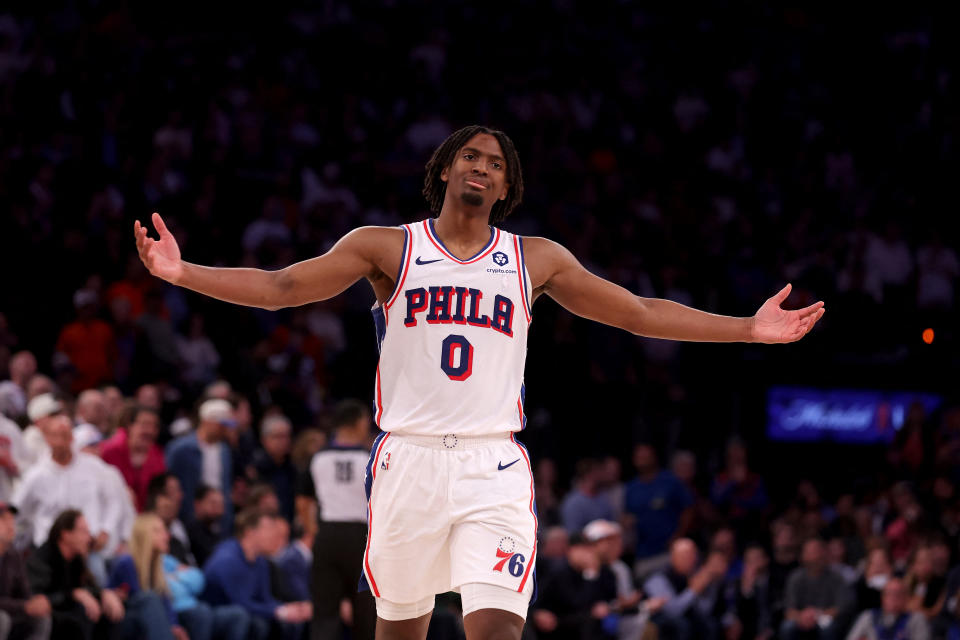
{"x":149,"y":567}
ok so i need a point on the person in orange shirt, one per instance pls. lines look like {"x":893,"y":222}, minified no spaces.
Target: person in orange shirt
{"x":88,"y":343}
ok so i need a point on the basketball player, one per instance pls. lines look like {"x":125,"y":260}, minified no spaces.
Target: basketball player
{"x":450,"y":490}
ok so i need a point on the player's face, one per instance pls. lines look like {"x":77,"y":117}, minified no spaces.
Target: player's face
{"x":477,"y":176}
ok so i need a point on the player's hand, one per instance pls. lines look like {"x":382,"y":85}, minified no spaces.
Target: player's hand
{"x":771,"y":324}
{"x":161,"y":257}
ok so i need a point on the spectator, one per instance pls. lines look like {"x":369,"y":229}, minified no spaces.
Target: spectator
{"x":584,"y":502}
{"x":295,"y":562}
{"x":926,"y":590}
{"x":751,"y":608}
{"x":202,"y":457}
{"x":12,"y":456}
{"x":204,"y":531}
{"x":198,"y":355}
{"x":815,"y":596}
{"x":786,"y":556}
{"x":58,"y":570}
{"x":63,"y":481}
{"x":869,"y":586}
{"x":739,"y":493}
{"x":23,"y":366}
{"x":658,"y":502}
{"x":238,"y":573}
{"x":23,"y":614}
{"x":91,"y":410}
{"x":263,"y":498}
{"x":837,"y":560}
{"x":134,"y":451}
{"x":163,"y":500}
{"x":607,"y":539}
{"x":148,"y":553}
{"x":272,"y":463}
{"x":88,"y":343}
{"x":573,"y":603}
{"x":689,"y":594}
{"x":892,"y":619}
{"x":42,"y":409}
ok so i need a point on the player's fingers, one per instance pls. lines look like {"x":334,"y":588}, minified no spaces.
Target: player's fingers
{"x":781,"y":295}
{"x":811,"y":310}
{"x":159,"y":224}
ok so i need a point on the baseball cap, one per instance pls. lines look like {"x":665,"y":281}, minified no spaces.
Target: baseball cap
{"x":218,"y":410}
{"x":600,"y":529}
{"x":42,"y":406}
{"x":6,"y":506}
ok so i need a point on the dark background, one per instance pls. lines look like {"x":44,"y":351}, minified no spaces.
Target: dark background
{"x":705,"y":156}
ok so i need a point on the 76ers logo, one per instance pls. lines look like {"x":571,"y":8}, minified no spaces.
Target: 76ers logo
{"x":507,"y":556}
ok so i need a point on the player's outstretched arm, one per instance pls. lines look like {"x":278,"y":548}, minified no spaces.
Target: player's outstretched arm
{"x":556,"y":272}
{"x":356,"y":255}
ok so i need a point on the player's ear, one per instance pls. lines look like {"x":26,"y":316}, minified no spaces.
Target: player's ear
{"x":506,"y":190}
{"x":445,"y":173}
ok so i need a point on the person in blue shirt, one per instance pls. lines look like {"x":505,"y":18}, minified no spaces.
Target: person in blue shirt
{"x":658,"y":501}
{"x":238,"y":573}
{"x":585,"y":503}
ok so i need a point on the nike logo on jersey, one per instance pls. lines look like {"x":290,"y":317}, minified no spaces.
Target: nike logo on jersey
{"x":420,"y":260}
{"x":501,"y":466}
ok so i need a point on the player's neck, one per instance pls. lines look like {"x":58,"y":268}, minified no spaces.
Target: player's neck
{"x":460,"y":230}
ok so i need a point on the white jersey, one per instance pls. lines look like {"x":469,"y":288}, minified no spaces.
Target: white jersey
{"x":453,"y":338}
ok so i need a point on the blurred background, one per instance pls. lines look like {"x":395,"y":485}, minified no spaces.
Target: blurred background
{"x":705,"y":156}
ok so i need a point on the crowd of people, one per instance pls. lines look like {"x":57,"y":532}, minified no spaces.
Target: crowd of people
{"x":707,"y":157}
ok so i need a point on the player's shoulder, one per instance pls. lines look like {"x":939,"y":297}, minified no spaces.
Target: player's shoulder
{"x":537,"y":249}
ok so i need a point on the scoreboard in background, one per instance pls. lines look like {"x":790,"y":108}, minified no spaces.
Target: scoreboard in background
{"x":854,"y":416}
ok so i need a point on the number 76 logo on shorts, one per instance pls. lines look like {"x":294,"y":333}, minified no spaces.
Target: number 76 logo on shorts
{"x":506,"y":552}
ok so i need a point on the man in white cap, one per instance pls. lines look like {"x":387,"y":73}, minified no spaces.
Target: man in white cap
{"x":40,"y":410}
{"x":202,"y":457}
{"x":607,"y":539}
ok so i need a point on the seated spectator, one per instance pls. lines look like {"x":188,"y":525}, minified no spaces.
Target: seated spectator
{"x":295,"y":562}
{"x":134,"y":451}
{"x":143,"y":573}
{"x":584,"y":502}
{"x":815,"y":596}
{"x":926,"y":590}
{"x":202,"y":457}
{"x":785,"y":559}
{"x":837,"y":559}
{"x":22,"y":614}
{"x":42,"y":409}
{"x":891,"y":620}
{"x":281,"y":585}
{"x":204,"y":532}
{"x":607,"y":540}
{"x":58,"y":570}
{"x":573,"y":603}
{"x":163,"y":500}
{"x":91,"y":410}
{"x":659,"y":503}
{"x":689,"y":594}
{"x":751,"y":606}
{"x":552,"y":551}
{"x":869,"y":587}
{"x":238,"y":573}
{"x":272,"y":463}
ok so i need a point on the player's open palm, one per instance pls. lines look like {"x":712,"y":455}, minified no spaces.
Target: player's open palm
{"x":161,"y":257}
{"x":771,"y":324}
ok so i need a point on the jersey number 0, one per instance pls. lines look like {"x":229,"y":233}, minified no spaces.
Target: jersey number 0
{"x":456,"y":357}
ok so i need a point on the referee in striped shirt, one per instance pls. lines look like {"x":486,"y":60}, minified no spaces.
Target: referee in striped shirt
{"x":336,"y":480}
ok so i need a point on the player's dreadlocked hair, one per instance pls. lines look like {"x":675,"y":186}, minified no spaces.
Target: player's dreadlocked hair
{"x":434,"y":188}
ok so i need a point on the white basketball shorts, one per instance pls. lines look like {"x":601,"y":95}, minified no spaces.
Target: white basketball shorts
{"x":444,"y":511}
